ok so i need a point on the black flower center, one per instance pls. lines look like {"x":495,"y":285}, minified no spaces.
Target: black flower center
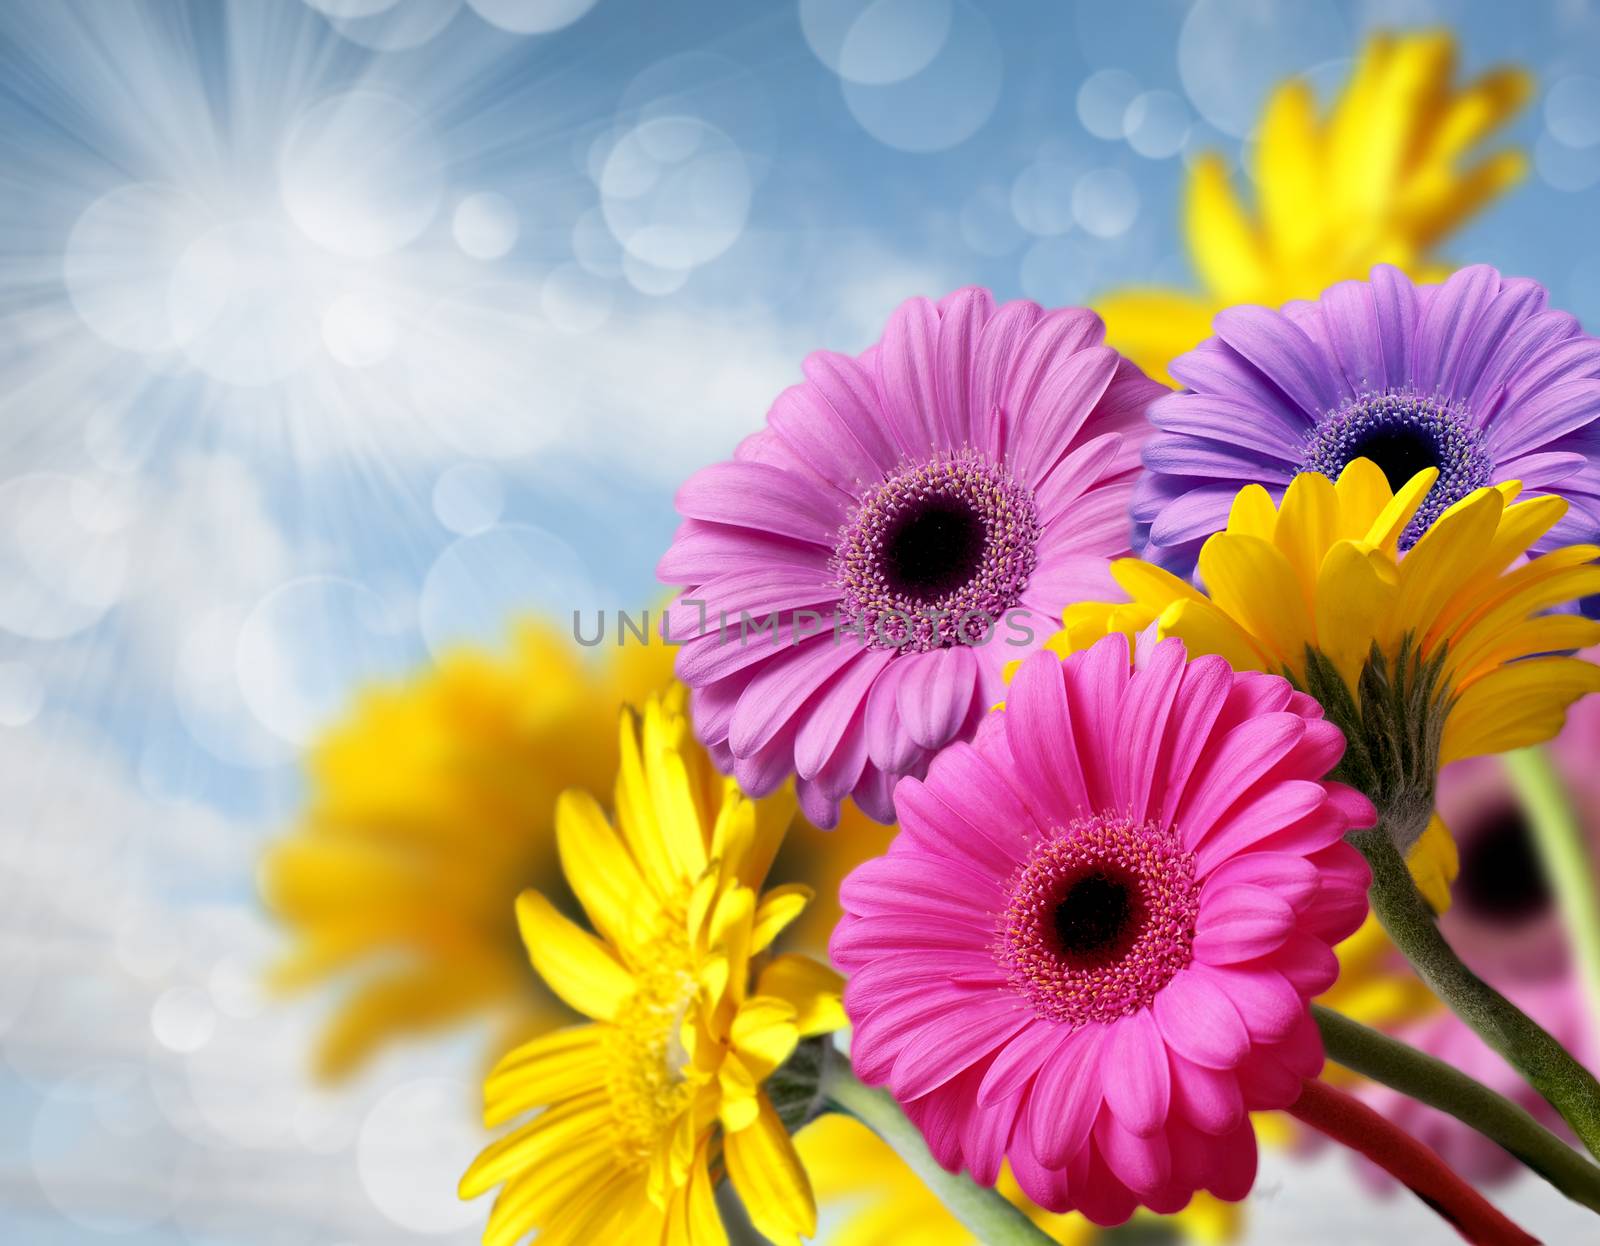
{"x":1502,"y":880}
{"x":1097,"y":917}
{"x":1399,"y":450}
{"x":933,"y":549}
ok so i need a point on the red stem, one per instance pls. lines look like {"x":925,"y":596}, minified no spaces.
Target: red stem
{"x":1414,"y":1165}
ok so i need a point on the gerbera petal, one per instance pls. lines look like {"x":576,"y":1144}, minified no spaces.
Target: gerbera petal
{"x":1141,"y":1092}
{"x":576,"y":965}
{"x":934,"y":696}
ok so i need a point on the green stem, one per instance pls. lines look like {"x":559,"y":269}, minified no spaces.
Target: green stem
{"x":1439,"y":1085}
{"x":1545,"y":1064}
{"x":1564,"y":849}
{"x":990,"y":1217}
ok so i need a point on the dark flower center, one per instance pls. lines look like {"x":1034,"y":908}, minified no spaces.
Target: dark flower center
{"x":1097,"y":917}
{"x":1403,"y":433}
{"x":936,"y":554}
{"x":933,"y":549}
{"x":1502,"y":880}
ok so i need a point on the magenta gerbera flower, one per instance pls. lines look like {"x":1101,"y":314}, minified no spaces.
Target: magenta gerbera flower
{"x":1091,"y":946}
{"x":909,"y":522}
{"x":1476,"y":377}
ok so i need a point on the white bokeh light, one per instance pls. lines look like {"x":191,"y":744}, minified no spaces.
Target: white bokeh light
{"x":396,"y":25}
{"x":675,"y":192}
{"x":574,"y":300}
{"x":1572,"y":110}
{"x":1157,"y":124}
{"x":120,"y":257}
{"x":487,"y":374}
{"x":182,"y":1019}
{"x":359,"y":329}
{"x":485,"y":225}
{"x":360,"y":173}
{"x":531,"y":17}
{"x":1103,"y":102}
{"x":876,"y":42}
{"x":245,"y":301}
{"x":58,"y":573}
{"x":1233,"y":53}
{"x":1041,"y":194}
{"x":945,"y":102}
{"x":210,"y":703}
{"x":412,"y":1148}
{"x":309,"y":641}
{"x":1105,"y":202}
{"x":1566,"y":168}
{"x":21,"y":694}
{"x":511,"y":569}
{"x":469,"y":498}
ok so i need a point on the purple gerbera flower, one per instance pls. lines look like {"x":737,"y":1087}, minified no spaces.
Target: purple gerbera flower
{"x":1476,"y":377}
{"x":909,"y":522}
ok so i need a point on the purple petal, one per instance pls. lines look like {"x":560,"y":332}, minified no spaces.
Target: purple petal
{"x":935,"y":694}
{"x":768,"y":499}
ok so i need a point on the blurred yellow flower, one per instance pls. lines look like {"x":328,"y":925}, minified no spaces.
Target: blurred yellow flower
{"x":431,"y":806}
{"x":636,"y":1113}
{"x":1379,"y":179}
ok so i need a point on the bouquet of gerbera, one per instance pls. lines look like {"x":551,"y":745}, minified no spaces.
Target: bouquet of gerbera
{"x":1158,"y":687}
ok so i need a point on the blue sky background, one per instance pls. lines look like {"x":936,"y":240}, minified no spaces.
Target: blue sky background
{"x":337,"y":331}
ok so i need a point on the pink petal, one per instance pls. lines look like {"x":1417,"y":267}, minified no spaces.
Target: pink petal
{"x":939,"y":1051}
{"x":889,"y":744}
{"x":781,"y":689}
{"x":919,"y":881}
{"x":1139,"y":1091}
{"x":1046,"y":427}
{"x":965,"y":825}
{"x":826,"y":443}
{"x":1142,"y":726}
{"x":1039,"y":730}
{"x":1232,"y":765}
{"x":1141,"y":1162}
{"x":1267,"y":810}
{"x":1208,"y":1098}
{"x":934,"y":695}
{"x":1241,"y":923}
{"x":1097,"y":680}
{"x":1268,"y":1005}
{"x":768,"y":499}
{"x":847,"y":387}
{"x":841,"y":704}
{"x":702,"y":551}
{"x":1201,"y":696}
{"x":1233,"y":1164}
{"x":1086,"y":467}
{"x":905,"y":373}
{"x":1002,"y":340}
{"x":1020,"y":1060}
{"x":1292,"y":877}
{"x":1065,"y":1098}
{"x":1198,"y":1021}
{"x":1057,"y":335}
{"x":962,"y":318}
{"x":1308,"y":963}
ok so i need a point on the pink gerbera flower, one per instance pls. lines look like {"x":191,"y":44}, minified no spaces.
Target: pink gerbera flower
{"x":909,"y":522}
{"x":1091,"y":946}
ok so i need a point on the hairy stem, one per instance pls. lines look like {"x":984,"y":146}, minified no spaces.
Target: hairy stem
{"x":1418,"y":1168}
{"x":1439,"y":1085}
{"x":990,"y":1217}
{"x":1546,"y":1065}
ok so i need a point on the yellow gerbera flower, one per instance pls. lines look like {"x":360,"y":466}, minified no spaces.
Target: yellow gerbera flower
{"x":430,"y":808}
{"x":1378,"y":180}
{"x":688,"y":1016}
{"x":888,"y":1205}
{"x":1420,"y":660}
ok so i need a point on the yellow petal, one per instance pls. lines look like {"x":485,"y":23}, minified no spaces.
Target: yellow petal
{"x":1355,"y":595}
{"x":739,"y":1090}
{"x":1206,"y":630}
{"x":599,"y":869}
{"x":1518,"y":705}
{"x":777,"y":909}
{"x":1434,"y":863}
{"x":1307,"y":525}
{"x":577,"y":966}
{"x":553,"y":1066}
{"x":764,"y":1033}
{"x":813,"y":990}
{"x":1401,"y":508}
{"x":1153,"y":327}
{"x":770,"y":1181}
{"x":526,"y":1147}
{"x":1252,"y":583}
{"x":1252,"y":513}
{"x":1363,"y":492}
{"x":1444,"y":561}
{"x":1222,"y":243}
